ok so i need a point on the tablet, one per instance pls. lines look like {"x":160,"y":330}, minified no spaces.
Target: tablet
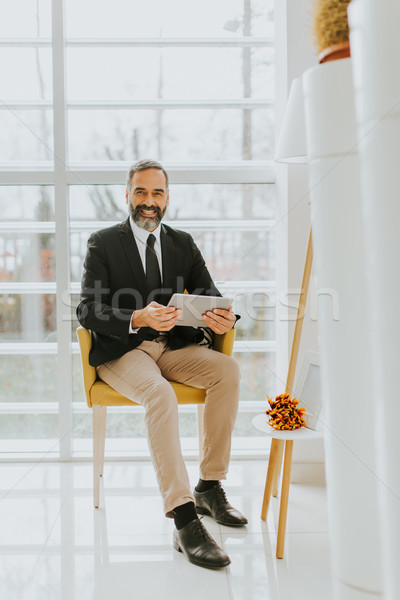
{"x":193,"y":307}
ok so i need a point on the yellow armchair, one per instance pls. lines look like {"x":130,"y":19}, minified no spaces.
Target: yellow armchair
{"x":99,"y":395}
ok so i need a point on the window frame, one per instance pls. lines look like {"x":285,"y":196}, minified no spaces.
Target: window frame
{"x":61,"y":174}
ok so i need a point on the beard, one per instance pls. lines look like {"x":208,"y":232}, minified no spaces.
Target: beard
{"x":147,"y":223}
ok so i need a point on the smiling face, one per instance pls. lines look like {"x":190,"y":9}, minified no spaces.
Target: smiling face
{"x":148,"y":198}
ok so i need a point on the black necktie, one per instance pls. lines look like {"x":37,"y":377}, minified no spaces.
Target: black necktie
{"x":153,"y":276}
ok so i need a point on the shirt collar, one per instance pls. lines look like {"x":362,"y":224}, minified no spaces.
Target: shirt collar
{"x":142,"y":234}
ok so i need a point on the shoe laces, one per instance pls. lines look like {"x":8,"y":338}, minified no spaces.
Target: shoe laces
{"x":198,"y":528}
{"x":221,"y":492}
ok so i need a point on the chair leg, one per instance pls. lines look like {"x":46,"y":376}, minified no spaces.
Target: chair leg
{"x":281,"y":447}
{"x":272,"y":463}
{"x":287,"y":466}
{"x":99,"y":422}
{"x":200,"y":425}
{"x":103,"y":423}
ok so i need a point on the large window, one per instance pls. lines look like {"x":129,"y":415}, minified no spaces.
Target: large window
{"x":89,"y":86}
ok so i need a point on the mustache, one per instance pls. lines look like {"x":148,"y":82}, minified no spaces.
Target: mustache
{"x":140,"y":207}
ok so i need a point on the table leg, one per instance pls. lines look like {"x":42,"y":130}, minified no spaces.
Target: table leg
{"x":287,"y":466}
{"x":273,"y":455}
{"x":281,"y":446}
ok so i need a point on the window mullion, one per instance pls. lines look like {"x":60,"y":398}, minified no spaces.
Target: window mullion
{"x":64,"y":362}
{"x":203,"y":42}
{"x":178,"y":42}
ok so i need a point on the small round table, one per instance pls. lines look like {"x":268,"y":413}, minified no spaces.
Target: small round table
{"x":287,"y":438}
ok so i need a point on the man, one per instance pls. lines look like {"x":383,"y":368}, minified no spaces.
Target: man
{"x":130,"y":272}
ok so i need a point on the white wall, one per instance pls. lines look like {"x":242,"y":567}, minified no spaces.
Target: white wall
{"x":294,"y":54}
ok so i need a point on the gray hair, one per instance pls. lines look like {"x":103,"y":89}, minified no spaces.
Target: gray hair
{"x":143,"y":165}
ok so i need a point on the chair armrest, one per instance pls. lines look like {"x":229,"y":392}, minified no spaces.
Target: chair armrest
{"x":224,"y":342}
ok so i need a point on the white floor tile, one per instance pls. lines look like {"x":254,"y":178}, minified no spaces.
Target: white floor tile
{"x":121,"y":568}
{"x":307,"y":510}
{"x":27,"y":521}
{"x":55,"y":546}
{"x":12,"y":475}
{"x":256,"y":574}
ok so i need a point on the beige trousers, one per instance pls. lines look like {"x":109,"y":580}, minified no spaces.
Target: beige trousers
{"x":142,"y":375}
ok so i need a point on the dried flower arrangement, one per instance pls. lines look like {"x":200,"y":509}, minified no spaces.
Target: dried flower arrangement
{"x":284,"y":413}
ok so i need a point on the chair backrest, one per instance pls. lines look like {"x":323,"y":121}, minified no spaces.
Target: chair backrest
{"x":89,"y":372}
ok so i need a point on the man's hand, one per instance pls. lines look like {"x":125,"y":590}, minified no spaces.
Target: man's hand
{"x":156,"y":316}
{"x":219,"y":319}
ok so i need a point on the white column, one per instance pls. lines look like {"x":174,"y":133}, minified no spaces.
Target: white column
{"x":375,"y":46}
{"x":343,"y":340}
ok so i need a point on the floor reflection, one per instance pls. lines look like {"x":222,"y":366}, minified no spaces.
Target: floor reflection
{"x":55,"y":546}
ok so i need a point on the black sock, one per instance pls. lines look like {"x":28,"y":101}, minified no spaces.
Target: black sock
{"x":203,"y":485}
{"x":183,"y":514}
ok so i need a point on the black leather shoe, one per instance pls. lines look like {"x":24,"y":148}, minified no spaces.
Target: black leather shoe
{"x":199,"y":547}
{"x":214,"y":502}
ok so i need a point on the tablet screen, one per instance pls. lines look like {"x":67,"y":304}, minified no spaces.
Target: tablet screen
{"x":193,"y":307}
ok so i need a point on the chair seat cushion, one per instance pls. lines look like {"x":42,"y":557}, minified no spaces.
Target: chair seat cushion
{"x":102,"y":394}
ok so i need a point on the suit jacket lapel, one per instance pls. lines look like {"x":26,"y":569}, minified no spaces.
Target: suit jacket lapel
{"x":133,"y":256}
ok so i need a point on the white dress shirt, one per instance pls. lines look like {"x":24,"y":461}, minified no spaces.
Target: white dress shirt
{"x":141,"y":236}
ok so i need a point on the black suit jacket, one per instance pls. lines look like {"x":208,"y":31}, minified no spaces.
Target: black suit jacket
{"x":114,"y":285}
